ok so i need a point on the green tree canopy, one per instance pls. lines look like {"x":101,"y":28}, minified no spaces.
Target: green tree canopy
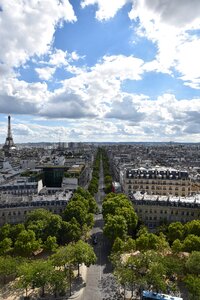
{"x":115,"y":226}
{"x":193,"y":263}
{"x":26,"y":243}
{"x":175,"y":231}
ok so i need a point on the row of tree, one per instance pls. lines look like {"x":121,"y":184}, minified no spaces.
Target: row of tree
{"x":155,"y":270}
{"x":151,"y":261}
{"x":94,"y":183}
{"x":119,"y":216}
{"x":54,"y":274}
{"x":45,"y":230}
{"x":106,"y":171}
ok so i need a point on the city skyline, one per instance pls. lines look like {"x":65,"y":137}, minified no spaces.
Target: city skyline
{"x":99,"y":70}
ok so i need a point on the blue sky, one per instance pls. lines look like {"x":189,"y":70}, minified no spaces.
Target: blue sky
{"x":99,"y":70}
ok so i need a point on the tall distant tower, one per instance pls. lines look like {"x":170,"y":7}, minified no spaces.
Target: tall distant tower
{"x":9,"y":143}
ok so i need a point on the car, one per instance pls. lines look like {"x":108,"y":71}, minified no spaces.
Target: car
{"x":94,"y":240}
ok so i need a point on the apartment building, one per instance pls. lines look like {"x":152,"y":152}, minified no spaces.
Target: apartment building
{"x":14,"y":210}
{"x":155,"y":210}
{"x":22,"y":186}
{"x":157,"y":181}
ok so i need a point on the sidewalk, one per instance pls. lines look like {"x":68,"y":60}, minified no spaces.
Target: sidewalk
{"x":79,"y":283}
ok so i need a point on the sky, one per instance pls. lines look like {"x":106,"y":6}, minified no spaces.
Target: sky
{"x":100,"y":70}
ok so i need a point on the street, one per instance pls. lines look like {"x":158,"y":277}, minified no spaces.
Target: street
{"x":100,"y":283}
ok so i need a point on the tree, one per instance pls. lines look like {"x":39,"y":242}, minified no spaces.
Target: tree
{"x":73,"y":255}
{"x":42,"y":270}
{"x":192,"y":227}
{"x":57,"y":280}
{"x":25,"y":276}
{"x":191,"y":243}
{"x":5,"y":246}
{"x":26,"y":243}
{"x":44,"y":223}
{"x":83,"y":253}
{"x":91,"y":201}
{"x":77,"y":210}
{"x":8,"y":267}
{"x":118,"y":245}
{"x":193,"y":263}
{"x":175,"y":231}
{"x":177,"y":246}
{"x":15,"y":231}
{"x":69,"y":232}
{"x":130,"y":216}
{"x":50,"y":244}
{"x":156,"y":276}
{"x":193,"y":285}
{"x":5,"y":231}
{"x":115,"y":226}
{"x":64,"y":257}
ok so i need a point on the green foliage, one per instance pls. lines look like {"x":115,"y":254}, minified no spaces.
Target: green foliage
{"x":118,"y":208}
{"x":148,"y":241}
{"x":193,"y":263}
{"x":74,"y":253}
{"x":83,"y":253}
{"x":90,"y":200}
{"x":77,"y":210}
{"x":192,"y":227}
{"x":93,"y":186}
{"x":175,"y":231}
{"x":5,"y":231}
{"x":177,"y":246}
{"x":118,"y":246}
{"x":191,"y":243}
{"x":69,"y":232}
{"x":8,"y":267}
{"x":26,"y":243}
{"x":193,"y":285}
{"x":115,"y":226}
{"x":43,"y":223}
{"x":50,"y":244}
{"x":5,"y":246}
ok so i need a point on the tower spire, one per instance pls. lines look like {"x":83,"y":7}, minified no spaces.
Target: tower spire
{"x":9,"y":143}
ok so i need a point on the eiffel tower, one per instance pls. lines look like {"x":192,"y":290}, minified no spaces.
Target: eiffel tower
{"x":9,"y":143}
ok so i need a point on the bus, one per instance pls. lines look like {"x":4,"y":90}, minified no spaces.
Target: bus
{"x":148,"y":295}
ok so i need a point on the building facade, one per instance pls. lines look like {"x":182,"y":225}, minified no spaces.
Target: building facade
{"x":157,"y":181}
{"x":15,"y":210}
{"x":155,"y":210}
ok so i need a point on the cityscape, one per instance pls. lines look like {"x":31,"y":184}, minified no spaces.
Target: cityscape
{"x":100,"y":150}
{"x":152,"y":191}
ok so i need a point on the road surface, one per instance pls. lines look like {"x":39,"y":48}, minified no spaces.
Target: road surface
{"x":100,"y":283}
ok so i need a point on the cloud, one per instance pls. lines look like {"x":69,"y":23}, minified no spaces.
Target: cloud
{"x":22,"y":130}
{"x":10,"y":104}
{"x":106,"y":9}
{"x":177,"y":12}
{"x":171,"y":26}
{"x":125,"y":110}
{"x":45,"y":73}
{"x":66,"y":105}
{"x":27,"y":28}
